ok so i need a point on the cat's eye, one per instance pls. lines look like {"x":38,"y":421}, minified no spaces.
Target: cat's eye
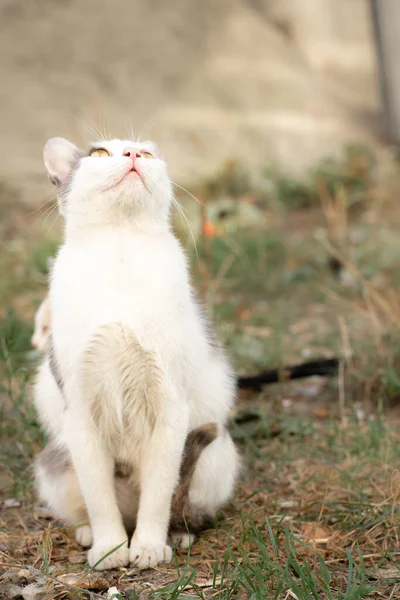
{"x":146,"y":154}
{"x":97,"y":152}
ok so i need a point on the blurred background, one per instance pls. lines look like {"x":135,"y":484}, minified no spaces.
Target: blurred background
{"x":266,"y":81}
{"x":280,"y":122}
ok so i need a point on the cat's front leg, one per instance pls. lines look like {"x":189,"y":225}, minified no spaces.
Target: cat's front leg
{"x":95,"y":469}
{"x":159,"y":474}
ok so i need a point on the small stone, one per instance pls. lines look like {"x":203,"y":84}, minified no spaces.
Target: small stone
{"x":24,"y":574}
{"x":43,"y":512}
{"x":14,"y":591}
{"x":11,"y":503}
{"x":34,"y":592}
{"x":113,"y":593}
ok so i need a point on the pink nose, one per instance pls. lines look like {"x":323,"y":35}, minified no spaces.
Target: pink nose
{"x":131,"y":153}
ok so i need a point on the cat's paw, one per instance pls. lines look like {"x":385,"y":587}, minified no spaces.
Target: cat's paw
{"x":183,"y":540}
{"x":145,"y":557}
{"x":83,"y":536}
{"x":118,"y":558}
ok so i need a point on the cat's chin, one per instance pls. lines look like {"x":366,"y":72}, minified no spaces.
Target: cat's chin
{"x":130,"y":178}
{"x":132,"y":175}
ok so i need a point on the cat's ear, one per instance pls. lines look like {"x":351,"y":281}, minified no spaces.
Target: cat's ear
{"x":59,"y":157}
{"x":154,"y":149}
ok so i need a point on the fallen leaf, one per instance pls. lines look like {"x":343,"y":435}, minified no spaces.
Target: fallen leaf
{"x":77,"y":558}
{"x":315,"y":533}
{"x":321,"y":413}
{"x":380,"y":574}
{"x":91,"y":581}
{"x":209,"y":229}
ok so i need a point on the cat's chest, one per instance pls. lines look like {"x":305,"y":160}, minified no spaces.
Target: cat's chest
{"x":120,"y":280}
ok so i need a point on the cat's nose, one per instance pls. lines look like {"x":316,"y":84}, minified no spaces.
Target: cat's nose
{"x":132,"y":153}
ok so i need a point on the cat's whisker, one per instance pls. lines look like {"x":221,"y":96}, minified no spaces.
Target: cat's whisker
{"x":187,"y":191}
{"x":103,"y":127}
{"x":92,"y":130}
{"x":181,"y":211}
{"x":131,"y":131}
{"x":49,"y":215}
{"x":45,"y":203}
{"x":53,"y":223}
{"x":48,"y":211}
{"x":146,"y":127}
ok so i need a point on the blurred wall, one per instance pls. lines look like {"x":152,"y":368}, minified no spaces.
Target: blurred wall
{"x":286,"y":81}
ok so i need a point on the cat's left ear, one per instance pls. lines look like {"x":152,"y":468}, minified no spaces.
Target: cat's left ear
{"x":59,"y":157}
{"x":154,"y":149}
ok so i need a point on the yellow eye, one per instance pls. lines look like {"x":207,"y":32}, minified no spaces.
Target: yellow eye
{"x":146,"y":154}
{"x":99,"y":152}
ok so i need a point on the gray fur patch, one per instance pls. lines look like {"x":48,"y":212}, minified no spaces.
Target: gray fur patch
{"x":54,"y":459}
{"x":65,"y":187}
{"x":54,"y":368}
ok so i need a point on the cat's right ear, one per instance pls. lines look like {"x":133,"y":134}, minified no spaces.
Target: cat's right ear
{"x":59,"y":157}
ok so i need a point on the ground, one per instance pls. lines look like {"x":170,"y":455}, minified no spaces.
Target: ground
{"x":289,"y":270}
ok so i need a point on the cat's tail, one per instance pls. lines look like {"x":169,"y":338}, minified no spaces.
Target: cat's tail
{"x":183,"y":517}
{"x":325,"y":367}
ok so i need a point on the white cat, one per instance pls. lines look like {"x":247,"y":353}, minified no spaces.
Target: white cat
{"x":133,"y":355}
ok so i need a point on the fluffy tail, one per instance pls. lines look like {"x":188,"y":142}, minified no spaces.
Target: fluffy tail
{"x":183,"y":517}
{"x":327,"y":367}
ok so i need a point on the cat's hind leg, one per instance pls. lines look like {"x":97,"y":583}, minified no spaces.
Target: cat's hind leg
{"x":58,"y":487}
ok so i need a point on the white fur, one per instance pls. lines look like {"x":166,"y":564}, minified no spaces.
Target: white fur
{"x":120,"y":264}
{"x":43,"y":320}
{"x":48,"y":401}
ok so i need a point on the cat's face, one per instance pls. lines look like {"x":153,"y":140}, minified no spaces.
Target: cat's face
{"x":115,"y":181}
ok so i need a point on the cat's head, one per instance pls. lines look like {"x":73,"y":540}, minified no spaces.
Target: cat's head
{"x":115,"y":181}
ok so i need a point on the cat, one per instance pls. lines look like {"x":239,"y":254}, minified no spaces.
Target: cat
{"x":131,"y":370}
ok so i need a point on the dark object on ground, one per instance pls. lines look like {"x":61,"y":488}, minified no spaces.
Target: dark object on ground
{"x":335,"y":266}
{"x":325,"y":367}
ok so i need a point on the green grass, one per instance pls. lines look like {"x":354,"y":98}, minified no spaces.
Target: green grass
{"x":352,"y":173}
{"x":269,"y":556}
